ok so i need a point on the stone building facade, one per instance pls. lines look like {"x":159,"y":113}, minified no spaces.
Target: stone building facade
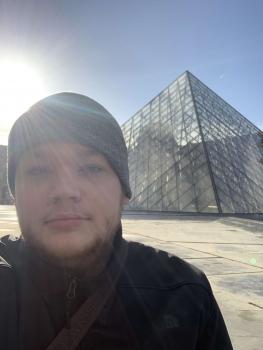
{"x":5,"y":197}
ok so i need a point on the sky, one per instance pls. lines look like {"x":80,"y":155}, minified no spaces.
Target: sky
{"x":122,"y":53}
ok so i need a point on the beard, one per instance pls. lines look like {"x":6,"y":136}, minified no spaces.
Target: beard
{"x":84,"y":251}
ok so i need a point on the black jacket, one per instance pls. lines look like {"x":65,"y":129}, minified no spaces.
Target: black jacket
{"x":160,"y":302}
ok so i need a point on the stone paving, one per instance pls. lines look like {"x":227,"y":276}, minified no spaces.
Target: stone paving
{"x":229,"y":250}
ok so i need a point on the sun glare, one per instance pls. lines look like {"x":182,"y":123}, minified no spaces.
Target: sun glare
{"x":20,"y":87}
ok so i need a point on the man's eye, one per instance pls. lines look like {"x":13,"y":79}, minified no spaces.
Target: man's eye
{"x":90,"y":169}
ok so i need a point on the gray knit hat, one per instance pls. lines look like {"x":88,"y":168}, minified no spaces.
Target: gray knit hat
{"x":69,"y":117}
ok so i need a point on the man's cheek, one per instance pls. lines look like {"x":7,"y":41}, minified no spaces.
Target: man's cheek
{"x":23,"y":211}
{"x":26,"y":213}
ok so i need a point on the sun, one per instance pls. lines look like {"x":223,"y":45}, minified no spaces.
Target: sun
{"x":20,"y":86}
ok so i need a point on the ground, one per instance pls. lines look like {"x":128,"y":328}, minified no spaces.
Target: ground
{"x":228,"y":249}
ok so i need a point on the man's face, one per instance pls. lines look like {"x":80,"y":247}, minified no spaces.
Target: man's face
{"x":68,"y":201}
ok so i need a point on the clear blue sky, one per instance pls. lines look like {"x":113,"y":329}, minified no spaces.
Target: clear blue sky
{"x":123,"y":53}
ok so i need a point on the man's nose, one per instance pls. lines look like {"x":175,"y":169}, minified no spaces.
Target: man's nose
{"x":65,"y":187}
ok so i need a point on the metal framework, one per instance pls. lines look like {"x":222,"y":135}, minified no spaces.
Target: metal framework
{"x":190,"y":151}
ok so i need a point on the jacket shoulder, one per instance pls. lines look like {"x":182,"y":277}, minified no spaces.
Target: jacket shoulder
{"x":8,"y":294}
{"x":8,"y":254}
{"x":150,"y":267}
{"x":9,"y":249}
{"x":177,"y":298}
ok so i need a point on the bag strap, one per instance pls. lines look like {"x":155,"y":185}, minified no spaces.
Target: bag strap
{"x":82,"y":320}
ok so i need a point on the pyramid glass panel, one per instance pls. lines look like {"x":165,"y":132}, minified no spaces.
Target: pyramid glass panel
{"x":190,"y":151}
{"x":167,"y":159}
{"x":234,"y":152}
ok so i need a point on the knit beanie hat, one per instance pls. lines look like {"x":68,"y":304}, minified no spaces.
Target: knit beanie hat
{"x":69,"y":117}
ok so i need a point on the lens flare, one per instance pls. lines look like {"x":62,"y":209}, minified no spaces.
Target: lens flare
{"x":20,"y":87}
{"x":253,"y":261}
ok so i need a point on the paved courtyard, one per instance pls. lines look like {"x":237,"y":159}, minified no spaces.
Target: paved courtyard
{"x":229,"y":250}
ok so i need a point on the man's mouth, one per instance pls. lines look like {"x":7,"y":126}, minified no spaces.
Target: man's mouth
{"x":65,"y":222}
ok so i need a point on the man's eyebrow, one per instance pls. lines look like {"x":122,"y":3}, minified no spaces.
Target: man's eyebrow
{"x":88,"y":152}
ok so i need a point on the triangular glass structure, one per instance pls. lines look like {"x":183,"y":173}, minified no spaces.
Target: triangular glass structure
{"x":190,"y":151}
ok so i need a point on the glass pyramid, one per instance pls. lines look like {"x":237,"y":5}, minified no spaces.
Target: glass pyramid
{"x":190,"y":151}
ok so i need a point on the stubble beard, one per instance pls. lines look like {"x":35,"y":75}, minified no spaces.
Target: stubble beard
{"x":91,"y":260}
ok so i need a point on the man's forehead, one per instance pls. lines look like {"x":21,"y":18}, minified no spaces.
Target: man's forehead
{"x":59,"y":149}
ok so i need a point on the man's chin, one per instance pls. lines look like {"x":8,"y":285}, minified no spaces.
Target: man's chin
{"x":74,"y":252}
{"x":61,"y":247}
{"x":89,"y":259}
{"x":71,"y":245}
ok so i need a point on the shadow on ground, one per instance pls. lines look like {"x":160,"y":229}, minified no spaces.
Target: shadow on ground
{"x":248,"y":225}
{"x":243,"y":284}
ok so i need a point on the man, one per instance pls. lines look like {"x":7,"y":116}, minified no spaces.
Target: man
{"x":71,"y":281}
